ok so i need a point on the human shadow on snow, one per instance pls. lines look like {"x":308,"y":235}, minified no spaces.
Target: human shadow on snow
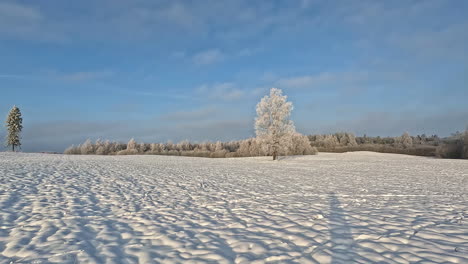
{"x":340,"y":232}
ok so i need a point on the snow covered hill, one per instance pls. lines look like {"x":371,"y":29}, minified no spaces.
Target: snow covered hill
{"x":331,"y":208}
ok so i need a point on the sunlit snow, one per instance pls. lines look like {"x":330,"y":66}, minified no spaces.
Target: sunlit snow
{"x":330,"y":208}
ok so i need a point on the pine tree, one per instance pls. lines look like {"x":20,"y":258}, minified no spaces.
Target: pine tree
{"x":272,"y":124}
{"x":14,"y":125}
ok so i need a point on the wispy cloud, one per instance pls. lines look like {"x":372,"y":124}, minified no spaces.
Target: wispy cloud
{"x":393,"y":124}
{"x":178,"y":55}
{"x":208,"y":57}
{"x":24,"y":21}
{"x":83,"y":76}
{"x":246,"y":52}
{"x":342,"y":80}
{"x":447,"y":43}
{"x":19,"y":18}
{"x":228,"y":92}
{"x":191,"y":115}
{"x":324,"y":78}
{"x":180,"y":14}
{"x":221,"y":91}
{"x":13,"y":76}
{"x":79,"y":76}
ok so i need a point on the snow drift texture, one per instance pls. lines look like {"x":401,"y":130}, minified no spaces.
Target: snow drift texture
{"x":328,"y":208}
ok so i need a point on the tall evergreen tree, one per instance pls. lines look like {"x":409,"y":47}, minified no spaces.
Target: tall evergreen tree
{"x":14,"y":125}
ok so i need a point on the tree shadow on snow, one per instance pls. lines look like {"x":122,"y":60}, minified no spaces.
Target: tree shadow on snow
{"x":340,"y":232}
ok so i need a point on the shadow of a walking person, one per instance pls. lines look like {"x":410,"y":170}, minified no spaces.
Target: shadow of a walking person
{"x":340,"y":232}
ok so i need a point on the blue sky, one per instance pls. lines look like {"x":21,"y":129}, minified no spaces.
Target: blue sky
{"x":174,"y":70}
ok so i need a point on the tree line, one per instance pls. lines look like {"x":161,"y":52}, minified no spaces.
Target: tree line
{"x":251,"y":147}
{"x":455,"y":146}
{"x":275,"y":136}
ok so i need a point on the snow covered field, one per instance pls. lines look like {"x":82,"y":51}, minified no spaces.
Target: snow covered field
{"x":340,"y":208}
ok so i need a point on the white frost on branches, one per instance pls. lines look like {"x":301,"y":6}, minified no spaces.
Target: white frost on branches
{"x":272,"y":125}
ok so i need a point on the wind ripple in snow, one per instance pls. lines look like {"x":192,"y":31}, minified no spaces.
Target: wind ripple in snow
{"x":329,"y":208}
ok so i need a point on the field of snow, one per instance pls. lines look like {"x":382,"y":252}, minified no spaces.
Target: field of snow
{"x":331,"y":208}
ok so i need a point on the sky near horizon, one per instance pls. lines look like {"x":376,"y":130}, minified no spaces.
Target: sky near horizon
{"x":174,"y":70}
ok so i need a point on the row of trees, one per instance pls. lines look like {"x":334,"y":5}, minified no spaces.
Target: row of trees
{"x":299,"y":145}
{"x":276,"y":135}
{"x":433,"y":140}
{"x":455,"y":146}
{"x":350,"y":140}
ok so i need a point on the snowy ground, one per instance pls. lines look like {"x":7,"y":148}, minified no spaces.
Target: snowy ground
{"x":339,"y":208}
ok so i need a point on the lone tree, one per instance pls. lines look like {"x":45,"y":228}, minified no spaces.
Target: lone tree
{"x":272,"y":124}
{"x":14,"y":125}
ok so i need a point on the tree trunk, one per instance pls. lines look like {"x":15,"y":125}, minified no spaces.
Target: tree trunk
{"x":275,"y":149}
{"x":13,"y":148}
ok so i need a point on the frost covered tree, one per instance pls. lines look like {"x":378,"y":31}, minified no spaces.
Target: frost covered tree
{"x":87,"y":148}
{"x":244,"y":147}
{"x":406,"y":140}
{"x":132,"y":145}
{"x":300,"y":145}
{"x":219,"y":151}
{"x":14,"y":124}
{"x":155,"y":148}
{"x":272,"y":125}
